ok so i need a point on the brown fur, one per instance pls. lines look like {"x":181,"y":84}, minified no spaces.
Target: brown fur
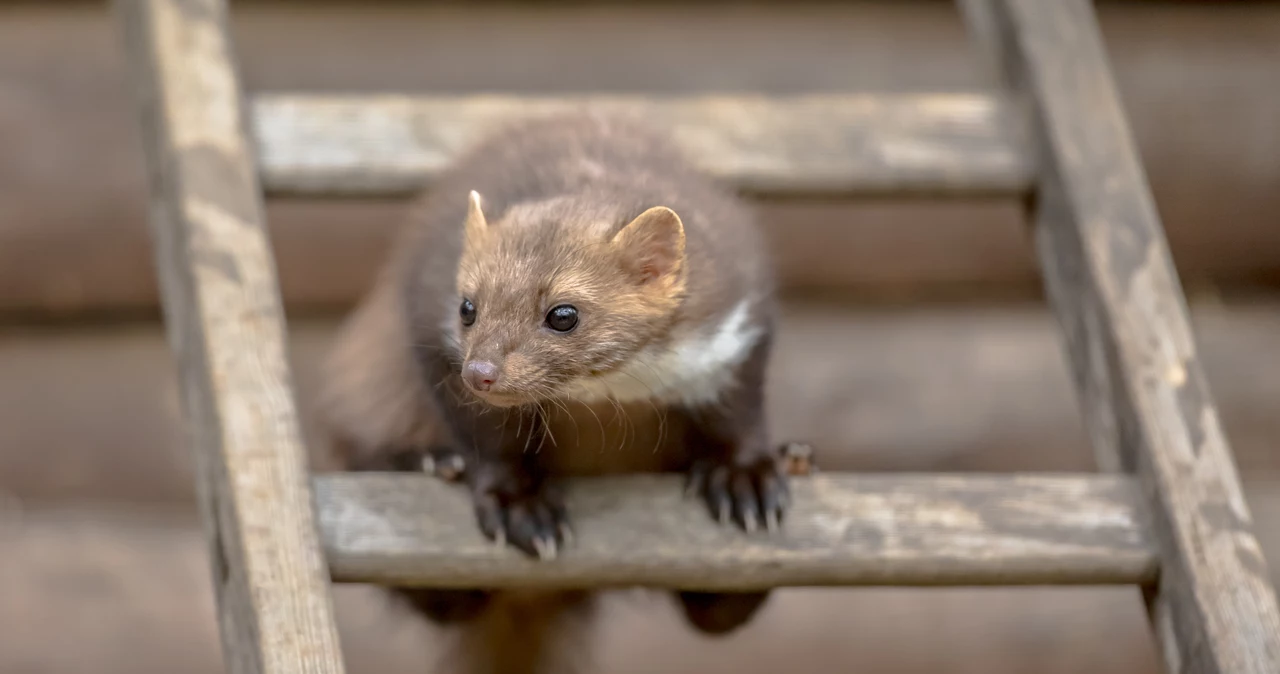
{"x":626,"y":286}
{"x":595,"y":211}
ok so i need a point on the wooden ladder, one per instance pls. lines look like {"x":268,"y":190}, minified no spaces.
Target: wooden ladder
{"x":1168,"y":518}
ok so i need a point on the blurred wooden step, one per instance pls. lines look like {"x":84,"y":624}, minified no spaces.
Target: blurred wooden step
{"x":843,"y":530}
{"x":800,"y":145}
{"x":73,"y":237}
{"x":991,"y":383}
{"x":98,"y":590}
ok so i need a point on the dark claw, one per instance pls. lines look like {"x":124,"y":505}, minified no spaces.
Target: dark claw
{"x":753,"y":496}
{"x":747,"y":507}
{"x":773,"y":500}
{"x":534,"y":524}
{"x":775,"y":493}
{"x":558,"y":516}
{"x":489,"y":513}
{"x":696,"y":482}
{"x":717,"y":494}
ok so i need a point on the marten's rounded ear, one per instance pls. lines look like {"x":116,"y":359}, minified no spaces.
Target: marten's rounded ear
{"x":652,"y":245}
{"x":476,"y":224}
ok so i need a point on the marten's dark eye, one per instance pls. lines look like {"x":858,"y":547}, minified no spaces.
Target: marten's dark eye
{"x":562,"y":318}
{"x":468,"y":312}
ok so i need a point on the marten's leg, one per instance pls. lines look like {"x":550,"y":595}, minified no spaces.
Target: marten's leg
{"x":506,"y":631}
{"x":717,"y":613}
{"x":446,"y":463}
{"x":500,"y":450}
{"x":735,"y":468}
{"x":527,"y":631}
{"x":737,"y":472}
{"x":494,"y":452}
{"x":720,"y":612}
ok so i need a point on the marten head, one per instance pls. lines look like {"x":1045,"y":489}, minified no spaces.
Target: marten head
{"x":550,"y":294}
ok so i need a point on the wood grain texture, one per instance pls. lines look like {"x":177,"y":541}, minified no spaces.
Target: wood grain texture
{"x":805,"y":145}
{"x":1146,"y":402}
{"x":96,"y":590}
{"x":226,"y":328}
{"x":844,"y":529}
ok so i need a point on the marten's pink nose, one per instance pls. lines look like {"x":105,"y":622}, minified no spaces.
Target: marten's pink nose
{"x":480,"y":375}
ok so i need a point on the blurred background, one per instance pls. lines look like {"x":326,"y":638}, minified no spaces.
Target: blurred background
{"x":916,"y":338}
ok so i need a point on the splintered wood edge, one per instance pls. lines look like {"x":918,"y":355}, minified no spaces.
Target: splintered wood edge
{"x":392,"y":145}
{"x":226,"y":327}
{"x":1111,"y":279}
{"x":843,"y":529}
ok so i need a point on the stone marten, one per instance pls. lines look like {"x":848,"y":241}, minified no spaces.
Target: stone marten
{"x":571,"y":297}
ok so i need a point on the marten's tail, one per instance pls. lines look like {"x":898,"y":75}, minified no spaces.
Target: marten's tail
{"x":509,"y":631}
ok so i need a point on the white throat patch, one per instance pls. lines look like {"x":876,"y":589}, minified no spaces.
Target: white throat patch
{"x":693,"y":370}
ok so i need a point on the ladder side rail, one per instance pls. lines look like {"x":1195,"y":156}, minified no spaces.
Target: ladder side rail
{"x":1112,"y":283}
{"x":226,"y":328}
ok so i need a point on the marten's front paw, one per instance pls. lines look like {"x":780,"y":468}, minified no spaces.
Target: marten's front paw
{"x":798,"y":458}
{"x":531,"y":518}
{"x":753,"y":494}
{"x":445,"y":463}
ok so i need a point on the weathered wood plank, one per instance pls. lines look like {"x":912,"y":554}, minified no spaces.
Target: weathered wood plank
{"x":226,"y":328}
{"x":808,"y":145}
{"x":148,"y":614}
{"x":844,"y":529}
{"x":1147,"y":405}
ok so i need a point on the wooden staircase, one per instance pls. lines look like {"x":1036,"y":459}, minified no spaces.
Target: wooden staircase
{"x":1169,"y":518}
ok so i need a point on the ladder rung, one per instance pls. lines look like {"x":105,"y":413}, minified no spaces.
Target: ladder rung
{"x":844,"y":529}
{"x":805,"y":145}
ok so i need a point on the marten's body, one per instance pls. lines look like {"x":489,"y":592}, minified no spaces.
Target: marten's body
{"x":571,"y":298}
